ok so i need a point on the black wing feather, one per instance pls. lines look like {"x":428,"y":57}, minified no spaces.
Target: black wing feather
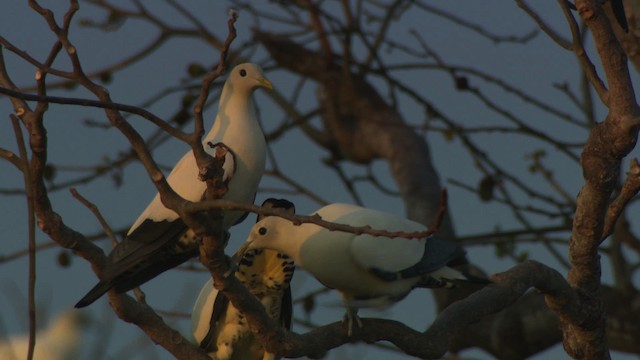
{"x":286,"y":309}
{"x":151,"y":249}
{"x":220,"y":305}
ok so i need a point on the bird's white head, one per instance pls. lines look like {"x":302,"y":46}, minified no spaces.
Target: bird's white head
{"x":273,"y":233}
{"x":247,"y":77}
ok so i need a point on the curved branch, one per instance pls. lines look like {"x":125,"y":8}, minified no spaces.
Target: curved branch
{"x":433,"y":343}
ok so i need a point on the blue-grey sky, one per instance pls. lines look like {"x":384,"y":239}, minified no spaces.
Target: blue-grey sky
{"x":533,"y":67}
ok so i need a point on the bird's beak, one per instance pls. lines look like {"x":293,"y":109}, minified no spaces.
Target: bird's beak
{"x":244,"y":248}
{"x":265,"y":83}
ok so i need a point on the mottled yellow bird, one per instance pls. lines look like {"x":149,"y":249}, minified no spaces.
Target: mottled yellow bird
{"x":220,"y":328}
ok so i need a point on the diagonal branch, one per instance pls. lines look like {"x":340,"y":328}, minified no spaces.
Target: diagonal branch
{"x":581,"y":53}
{"x":99,"y":104}
{"x":629,"y":190}
{"x":317,"y":219}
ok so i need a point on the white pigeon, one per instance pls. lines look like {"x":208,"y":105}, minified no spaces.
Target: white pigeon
{"x":368,"y":271}
{"x":219,"y":328}
{"x":61,"y":340}
{"x":159,"y":240}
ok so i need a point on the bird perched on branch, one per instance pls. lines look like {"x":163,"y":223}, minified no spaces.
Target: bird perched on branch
{"x":219,"y":327}
{"x":159,"y":240}
{"x":367,"y":270}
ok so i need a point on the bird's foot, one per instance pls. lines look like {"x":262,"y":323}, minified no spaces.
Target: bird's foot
{"x":349,"y":317}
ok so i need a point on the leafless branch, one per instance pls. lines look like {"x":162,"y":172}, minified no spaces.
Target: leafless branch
{"x":544,"y":26}
{"x":317,"y":219}
{"x":96,"y":212}
{"x":581,"y":53}
{"x":629,"y":190}
{"x":31,"y":223}
{"x":98,"y":104}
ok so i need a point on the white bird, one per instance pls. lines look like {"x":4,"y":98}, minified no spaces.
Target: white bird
{"x":61,"y":340}
{"x":159,"y":240}
{"x":220,"y":328}
{"x":368,"y":271}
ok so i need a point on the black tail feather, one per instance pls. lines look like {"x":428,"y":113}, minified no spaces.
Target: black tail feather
{"x":94,"y":294}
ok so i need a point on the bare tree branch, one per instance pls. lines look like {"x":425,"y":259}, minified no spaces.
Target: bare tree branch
{"x":629,"y":190}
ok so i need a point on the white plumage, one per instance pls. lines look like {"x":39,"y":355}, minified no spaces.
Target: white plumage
{"x":61,"y":340}
{"x":366,"y":270}
{"x":159,"y":240}
{"x":220,"y":328}
{"x":237,"y":127}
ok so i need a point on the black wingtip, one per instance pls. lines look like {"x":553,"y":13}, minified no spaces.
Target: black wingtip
{"x":94,"y":294}
{"x":475,"y":279}
{"x":618,"y":11}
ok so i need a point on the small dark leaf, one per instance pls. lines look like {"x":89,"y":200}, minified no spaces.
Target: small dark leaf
{"x":115,"y":18}
{"x":486,"y":187}
{"x":106,"y":77}
{"x":49,"y":172}
{"x":448,"y":135}
{"x":523,"y":256}
{"x":538,"y":154}
{"x":308,"y":304}
{"x":64,"y":259}
{"x":196,"y":70}
{"x":432,"y":113}
{"x":182,"y":117}
{"x":188,"y":99}
{"x":462,"y":83}
{"x":70,"y":85}
{"x":501,"y":249}
{"x":504,"y":248}
{"x":84,"y":22}
{"x":117,"y":178}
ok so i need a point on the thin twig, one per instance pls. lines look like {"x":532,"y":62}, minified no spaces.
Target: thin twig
{"x":581,"y":53}
{"x":11,"y":157}
{"x":96,"y":212}
{"x":99,"y":104}
{"x":26,"y":173}
{"x":629,"y":190}
{"x":475,"y":27}
{"x":212,"y":75}
{"x":316,"y":219}
{"x":563,"y":43}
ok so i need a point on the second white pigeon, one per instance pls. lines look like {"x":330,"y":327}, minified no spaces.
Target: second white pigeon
{"x":159,"y":240}
{"x":368,"y":271}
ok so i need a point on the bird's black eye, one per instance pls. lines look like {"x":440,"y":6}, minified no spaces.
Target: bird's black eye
{"x":262,"y":230}
{"x":243,"y":72}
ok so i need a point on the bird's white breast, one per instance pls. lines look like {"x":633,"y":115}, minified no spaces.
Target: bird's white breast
{"x":246,"y":141}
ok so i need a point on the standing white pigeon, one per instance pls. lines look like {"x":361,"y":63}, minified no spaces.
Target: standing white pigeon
{"x":368,"y":271}
{"x":220,"y":328}
{"x":159,"y":240}
{"x":61,"y":340}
